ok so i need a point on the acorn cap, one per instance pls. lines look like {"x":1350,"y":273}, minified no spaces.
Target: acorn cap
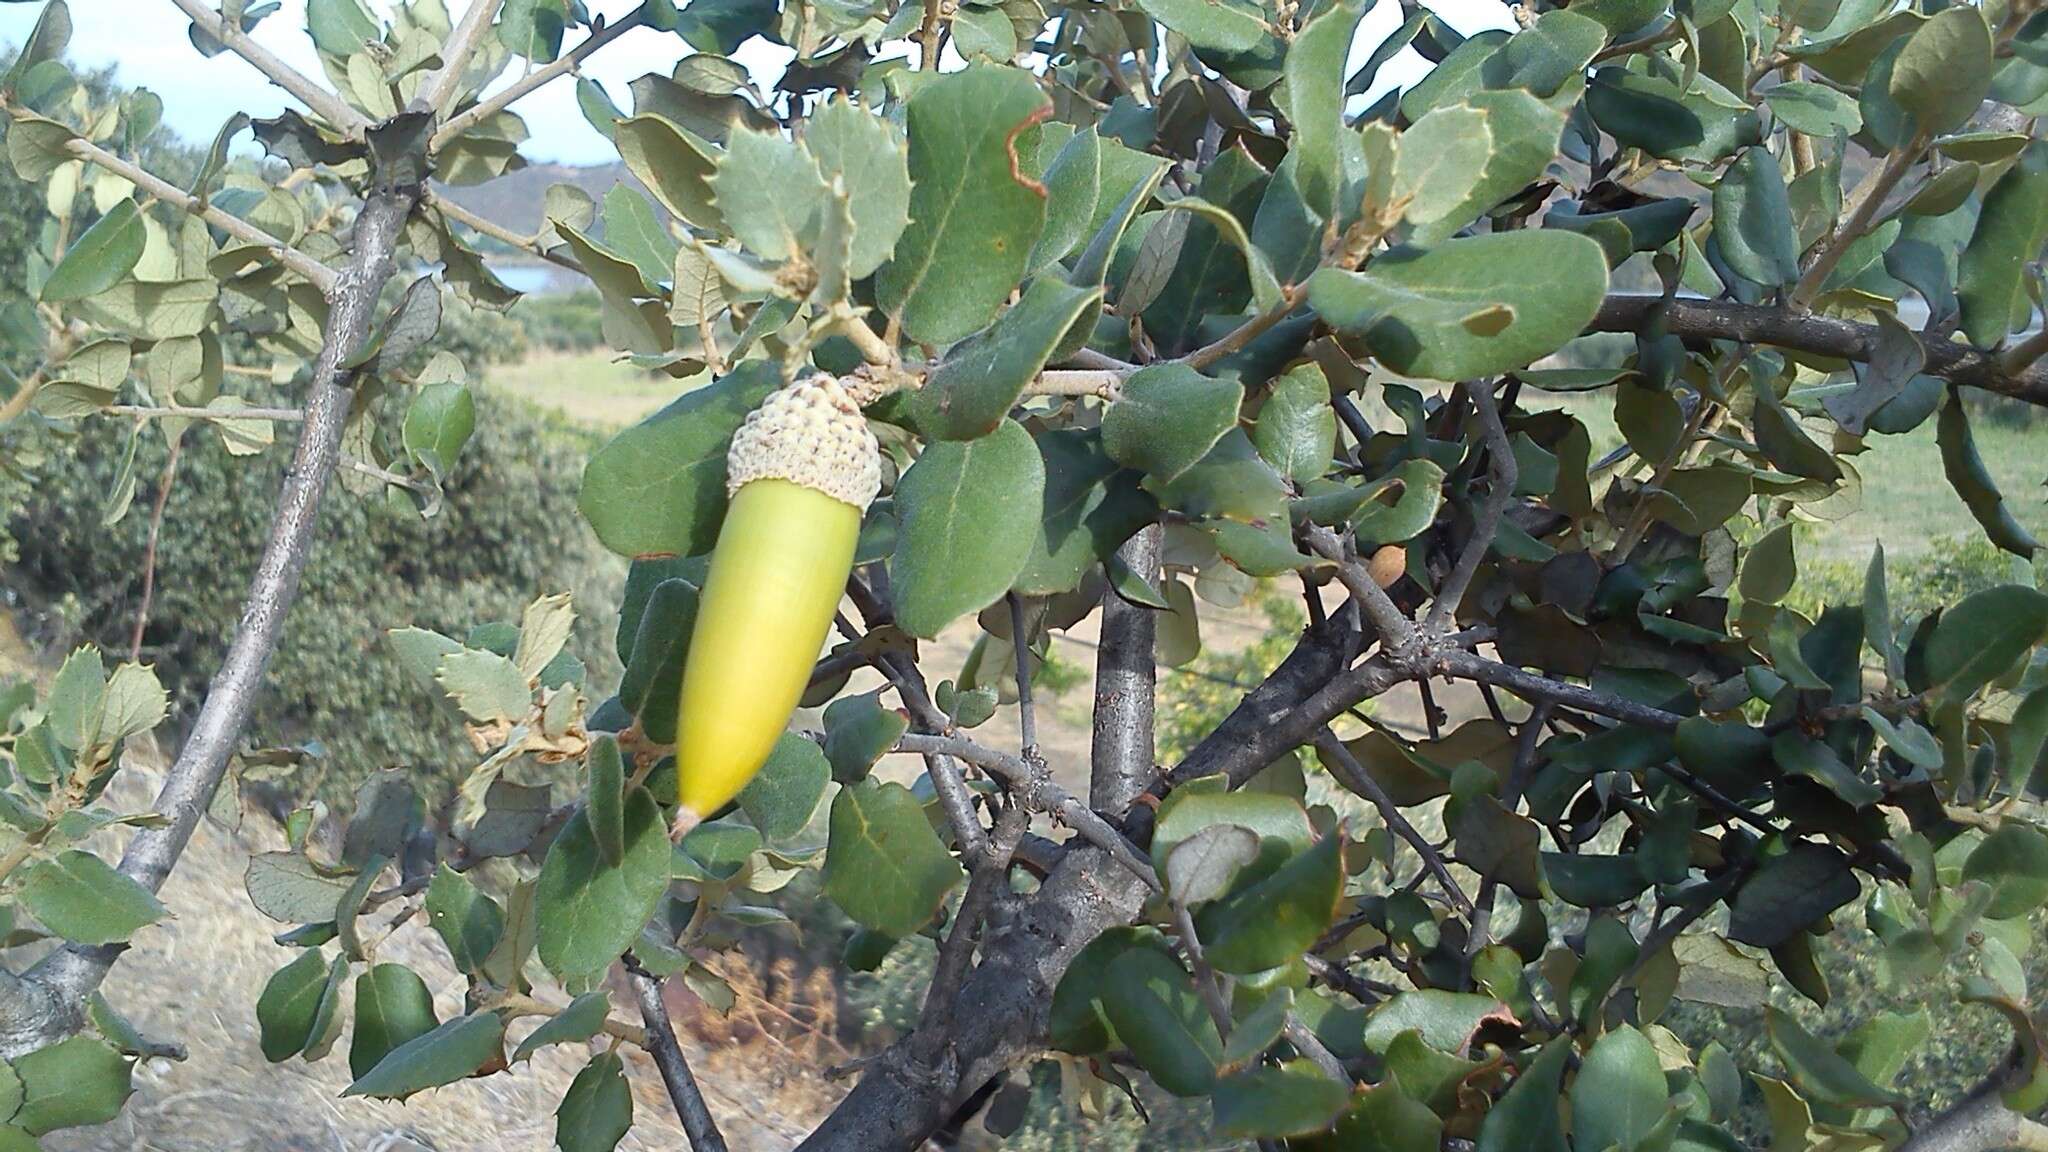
{"x":813,"y":435}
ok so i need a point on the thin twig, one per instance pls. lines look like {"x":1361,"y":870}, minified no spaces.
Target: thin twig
{"x":1101,"y":383}
{"x":1027,"y":722}
{"x":188,"y":412}
{"x":482,"y":226}
{"x":316,"y":98}
{"x":2021,"y":356}
{"x":515,"y":1004}
{"x":1034,"y":785}
{"x":1207,"y":984}
{"x":1500,"y":460}
{"x":1248,"y":331}
{"x":1310,"y":1045}
{"x":667,"y":1051}
{"x":1394,"y":628}
{"x":947,"y":779}
{"x":1836,"y":244}
{"x":156,"y":527}
{"x":1534,"y":687}
{"x":1527,"y":739}
{"x":321,"y":276}
{"x":395,"y":479}
{"x":1353,"y":775}
{"x":928,"y":31}
{"x":565,"y":63}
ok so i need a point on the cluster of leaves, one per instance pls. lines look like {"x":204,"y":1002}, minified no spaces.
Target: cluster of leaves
{"x":1143,"y":280}
{"x":58,"y":753}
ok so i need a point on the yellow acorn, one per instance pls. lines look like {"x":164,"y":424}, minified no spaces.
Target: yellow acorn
{"x":801,"y":471}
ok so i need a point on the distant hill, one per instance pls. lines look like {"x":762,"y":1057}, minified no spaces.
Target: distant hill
{"x":514,"y":200}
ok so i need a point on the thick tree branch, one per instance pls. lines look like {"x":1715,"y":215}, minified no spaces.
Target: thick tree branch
{"x":1120,"y":751}
{"x":988,"y":879}
{"x":1308,"y":690}
{"x":675,"y":1070}
{"x":65,"y":977}
{"x":307,"y":91}
{"x":1001,"y":1014}
{"x":440,"y":89}
{"x":1819,"y":335}
{"x":1980,"y":1122}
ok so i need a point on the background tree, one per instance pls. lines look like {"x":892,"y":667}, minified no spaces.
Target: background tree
{"x":1114,"y":283}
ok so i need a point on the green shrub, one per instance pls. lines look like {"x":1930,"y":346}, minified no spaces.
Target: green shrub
{"x":507,"y":532}
{"x":1950,"y":569}
{"x":567,"y":322}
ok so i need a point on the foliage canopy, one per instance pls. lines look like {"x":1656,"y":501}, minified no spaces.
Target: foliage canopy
{"x":1119,"y":276}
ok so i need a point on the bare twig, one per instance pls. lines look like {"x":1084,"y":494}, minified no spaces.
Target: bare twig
{"x":1101,"y":383}
{"x":188,"y":412}
{"x":1870,"y":198}
{"x":929,"y":30}
{"x":667,"y":1051}
{"x":520,"y":1004}
{"x":1120,"y":753}
{"x":566,"y":63}
{"x":1215,"y":997}
{"x":1310,"y":1045}
{"x":2023,"y":354}
{"x":947,"y":779}
{"x":1027,"y":720}
{"x":1500,"y":462}
{"x":1527,"y":737}
{"x":1821,"y":335}
{"x":315,"y":97}
{"x":1033,"y":785}
{"x":484,"y":227}
{"x":1353,"y":775}
{"x":1394,"y":628}
{"x":1535,"y":688}
{"x":1248,"y":331}
{"x":156,"y":527}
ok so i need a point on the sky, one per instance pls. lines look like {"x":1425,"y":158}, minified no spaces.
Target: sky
{"x":145,"y":41}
